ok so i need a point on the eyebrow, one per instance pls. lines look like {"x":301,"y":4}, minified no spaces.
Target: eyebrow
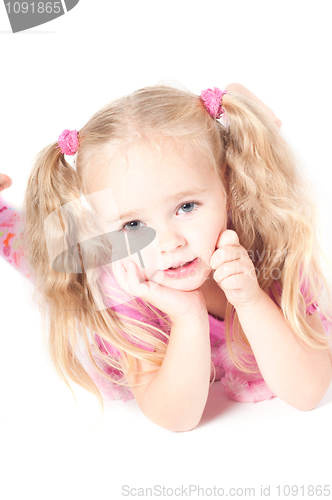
{"x":174,"y":197}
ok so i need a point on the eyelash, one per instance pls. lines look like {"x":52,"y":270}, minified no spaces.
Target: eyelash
{"x":186,"y":203}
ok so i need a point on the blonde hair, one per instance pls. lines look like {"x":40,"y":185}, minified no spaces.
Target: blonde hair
{"x":269,"y":201}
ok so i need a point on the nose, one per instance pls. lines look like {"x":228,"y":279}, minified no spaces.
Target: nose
{"x":170,"y":239}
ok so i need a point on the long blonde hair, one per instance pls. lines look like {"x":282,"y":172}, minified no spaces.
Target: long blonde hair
{"x":269,"y":201}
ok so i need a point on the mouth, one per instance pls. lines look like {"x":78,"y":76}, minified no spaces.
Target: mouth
{"x":180,"y":265}
{"x":181,"y":269}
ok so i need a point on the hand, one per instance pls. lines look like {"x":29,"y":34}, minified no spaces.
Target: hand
{"x":180,"y":306}
{"x":234,"y":271}
{"x":5,"y":181}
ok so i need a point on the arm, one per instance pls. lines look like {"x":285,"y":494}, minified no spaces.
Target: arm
{"x":10,"y":227}
{"x":176,"y":395}
{"x":295,"y":372}
{"x":11,"y":248}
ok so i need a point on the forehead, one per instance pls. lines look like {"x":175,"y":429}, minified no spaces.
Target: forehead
{"x":156,"y":166}
{"x":144,"y":175}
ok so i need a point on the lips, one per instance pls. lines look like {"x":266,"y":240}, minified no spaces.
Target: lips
{"x":183,"y":270}
{"x":179,"y":264}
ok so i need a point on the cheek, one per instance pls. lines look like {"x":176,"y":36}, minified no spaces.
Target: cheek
{"x":207,"y":240}
{"x":217,"y":228}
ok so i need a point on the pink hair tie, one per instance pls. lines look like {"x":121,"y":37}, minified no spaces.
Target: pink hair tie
{"x":212,"y":101}
{"x":68,"y":142}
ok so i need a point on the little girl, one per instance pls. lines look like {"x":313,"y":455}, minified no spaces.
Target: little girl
{"x":178,"y":249}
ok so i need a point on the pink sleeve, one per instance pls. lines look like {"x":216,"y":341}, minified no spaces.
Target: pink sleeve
{"x":10,"y":242}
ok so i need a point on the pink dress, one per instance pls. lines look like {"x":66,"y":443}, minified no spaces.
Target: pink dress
{"x":238,"y":385}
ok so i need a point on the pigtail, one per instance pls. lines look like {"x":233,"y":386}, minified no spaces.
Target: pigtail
{"x":52,"y":184}
{"x":67,"y":285}
{"x":273,"y":213}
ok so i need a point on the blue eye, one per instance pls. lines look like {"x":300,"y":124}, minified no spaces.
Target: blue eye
{"x":131,"y":227}
{"x":135,"y":225}
{"x":188,"y":207}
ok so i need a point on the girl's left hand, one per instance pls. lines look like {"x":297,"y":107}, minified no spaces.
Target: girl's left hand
{"x":234,"y":271}
{"x":5,"y":181}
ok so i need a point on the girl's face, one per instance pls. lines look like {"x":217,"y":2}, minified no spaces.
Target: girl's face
{"x":180,"y":197}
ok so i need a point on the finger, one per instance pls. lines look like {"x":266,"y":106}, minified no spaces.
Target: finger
{"x":119,"y":272}
{"x":228,"y":237}
{"x":231,"y":283}
{"x":226,"y":254}
{"x":136,"y":287}
{"x":228,"y":269}
{"x":241,"y":269}
{"x":128,"y":278}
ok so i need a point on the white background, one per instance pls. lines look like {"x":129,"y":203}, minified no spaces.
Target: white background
{"x":56,"y":76}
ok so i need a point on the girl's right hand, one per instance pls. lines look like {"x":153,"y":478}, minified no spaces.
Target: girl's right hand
{"x":5,"y":181}
{"x":180,"y":306}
